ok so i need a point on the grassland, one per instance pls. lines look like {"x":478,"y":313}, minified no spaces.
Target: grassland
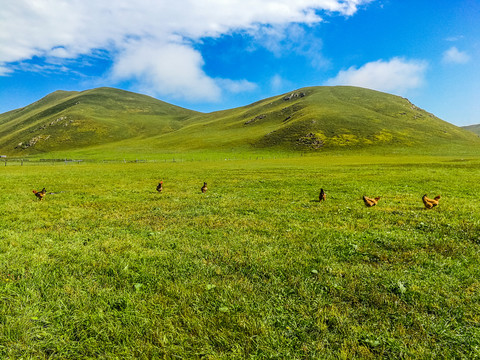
{"x":255,"y":268}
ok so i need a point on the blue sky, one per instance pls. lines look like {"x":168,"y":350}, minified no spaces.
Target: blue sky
{"x":209,"y":55}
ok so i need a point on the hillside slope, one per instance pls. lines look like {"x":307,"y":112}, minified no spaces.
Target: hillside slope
{"x":317,"y":118}
{"x":473,"y":128}
{"x":71,"y":120}
{"x":309,"y":119}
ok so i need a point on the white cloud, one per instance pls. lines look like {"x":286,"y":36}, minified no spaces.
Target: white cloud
{"x":236,"y":86}
{"x":53,"y":29}
{"x":5,"y":70}
{"x":455,"y":56}
{"x":454,"y":38}
{"x":397,"y":75}
{"x":176,"y":67}
{"x":285,"y":39}
{"x":278,"y":84}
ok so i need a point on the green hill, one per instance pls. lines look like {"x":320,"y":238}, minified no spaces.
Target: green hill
{"x":72,"y":120}
{"x":310,"y":119}
{"x":318,"y":118}
{"x":473,"y":128}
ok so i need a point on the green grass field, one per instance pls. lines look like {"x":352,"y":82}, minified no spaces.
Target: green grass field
{"x":256,"y":268}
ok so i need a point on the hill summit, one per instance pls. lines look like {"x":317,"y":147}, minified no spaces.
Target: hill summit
{"x":308,"y":119}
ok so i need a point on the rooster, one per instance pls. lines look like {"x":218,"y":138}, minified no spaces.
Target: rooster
{"x":322,"y":196}
{"x":369,"y":202}
{"x":204,"y":188}
{"x":40,"y":194}
{"x":430,"y":203}
{"x":160,"y":186}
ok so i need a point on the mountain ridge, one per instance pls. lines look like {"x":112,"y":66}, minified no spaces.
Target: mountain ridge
{"x":307,"y":119}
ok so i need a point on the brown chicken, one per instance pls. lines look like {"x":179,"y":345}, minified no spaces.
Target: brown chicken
{"x":40,"y":194}
{"x":204,"y":188}
{"x":369,"y":202}
{"x":322,"y":196}
{"x":430,"y":203}
{"x":160,"y":186}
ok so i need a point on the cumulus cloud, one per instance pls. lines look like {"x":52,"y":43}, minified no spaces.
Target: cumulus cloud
{"x":455,"y":56}
{"x":397,"y":75}
{"x":150,"y":42}
{"x":175,"y":66}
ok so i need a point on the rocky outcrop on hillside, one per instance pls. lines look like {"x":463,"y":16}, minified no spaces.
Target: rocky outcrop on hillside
{"x":310,"y":140}
{"x":294,"y":95}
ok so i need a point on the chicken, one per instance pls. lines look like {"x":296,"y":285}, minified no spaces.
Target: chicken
{"x":204,"y":188}
{"x":369,"y":202}
{"x":160,"y":186}
{"x":40,"y":194}
{"x":430,"y":203}
{"x":322,"y":196}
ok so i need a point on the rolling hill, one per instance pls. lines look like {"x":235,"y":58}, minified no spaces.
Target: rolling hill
{"x":72,"y":120}
{"x":473,"y":128}
{"x":308,"y":119}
